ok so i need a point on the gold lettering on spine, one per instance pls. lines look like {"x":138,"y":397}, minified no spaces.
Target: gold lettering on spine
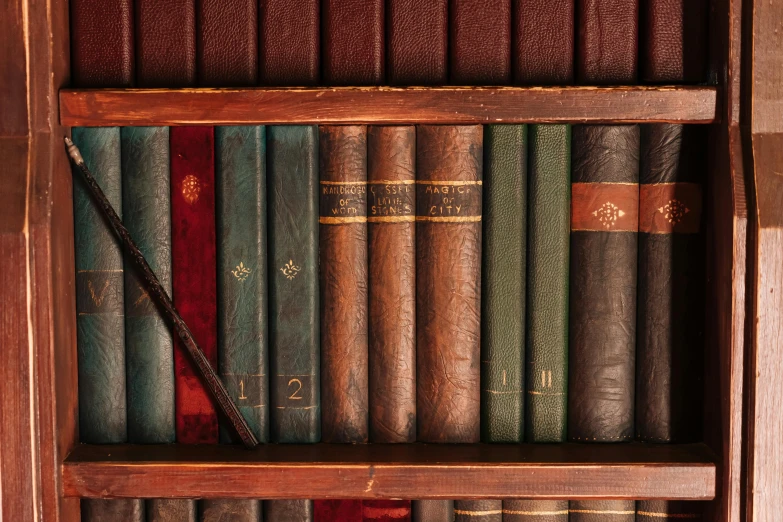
{"x":343,"y":202}
{"x":449,"y":201}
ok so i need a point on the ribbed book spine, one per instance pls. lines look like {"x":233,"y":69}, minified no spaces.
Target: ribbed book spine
{"x":353,"y":42}
{"x":503,"y":283}
{"x":480,"y":510}
{"x":343,"y":253}
{"x":289,"y":42}
{"x":601,"y":511}
{"x":535,"y":510}
{"x":165,"y":43}
{"x":417,"y":39}
{"x":102,"y":46}
{"x":543,"y":42}
{"x":480,"y":42}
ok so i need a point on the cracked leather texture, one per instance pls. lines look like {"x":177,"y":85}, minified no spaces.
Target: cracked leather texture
{"x":288,"y":510}
{"x":289,"y":42}
{"x":171,"y":510}
{"x":480,"y":42}
{"x":338,"y":511}
{"x":100,"y":322}
{"x":227,"y":43}
{"x":602,"y":511}
{"x":503,"y":283}
{"x":448,"y":294}
{"x":417,"y":42}
{"x":149,"y":344}
{"x":674,"y":41}
{"x":102,"y":53}
{"x":353,"y":42}
{"x":165,"y":43}
{"x":543,"y":44}
{"x":115,"y":510}
{"x":535,"y":510}
{"x":240,"y":210}
{"x":432,"y":511}
{"x":549,"y":213}
{"x":481,"y":510}
{"x":384,"y":510}
{"x":607,"y":45}
{"x":603,"y":296}
{"x":652,"y":510}
{"x":670,"y":340}
{"x":294,"y":317}
{"x":233,"y":510}
{"x":391,"y":157}
{"x":344,"y":279}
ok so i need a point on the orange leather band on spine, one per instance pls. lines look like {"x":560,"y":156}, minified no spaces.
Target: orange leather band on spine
{"x":605,"y":207}
{"x":666,"y":208}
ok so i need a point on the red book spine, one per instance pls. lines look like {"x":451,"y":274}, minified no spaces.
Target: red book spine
{"x":193,"y":250}
{"x":386,"y":511}
{"x":337,"y":511}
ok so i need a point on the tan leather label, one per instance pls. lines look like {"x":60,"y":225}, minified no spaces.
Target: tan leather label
{"x":391,"y":201}
{"x":670,"y":208}
{"x":448,"y":201}
{"x":343,"y":202}
{"x":605,"y":207}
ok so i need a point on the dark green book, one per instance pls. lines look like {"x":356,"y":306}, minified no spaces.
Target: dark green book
{"x":549,"y":232}
{"x":503,"y":283}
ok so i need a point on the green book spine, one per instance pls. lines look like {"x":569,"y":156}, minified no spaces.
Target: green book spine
{"x":549,"y":228}
{"x":503,"y":283}
{"x":240,"y":194}
{"x":149,"y":346}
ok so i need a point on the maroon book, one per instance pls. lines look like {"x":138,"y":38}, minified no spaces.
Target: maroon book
{"x":102,"y":53}
{"x":543,"y":43}
{"x":337,"y":511}
{"x":165,"y":43}
{"x":417,"y":38}
{"x":289,"y":42}
{"x":480,"y":42}
{"x":386,"y":510}
{"x":353,"y":42}
{"x":227,"y":43}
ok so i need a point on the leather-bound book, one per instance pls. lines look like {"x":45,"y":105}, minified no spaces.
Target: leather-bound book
{"x":657,"y":510}
{"x":432,"y":511}
{"x":535,"y":510}
{"x":222,"y":510}
{"x":604,"y":225}
{"x":416,"y":42}
{"x":289,"y":45}
{"x":102,"y":47}
{"x":353,"y":42}
{"x":543,"y":46}
{"x":601,"y":511}
{"x":607,"y":41}
{"x":503,"y":283}
{"x":100,"y":321}
{"x":338,"y":511}
{"x":479,"y":42}
{"x":165,"y":43}
{"x":288,"y":510}
{"x":674,"y":41}
{"x":227,"y":42}
{"x":386,"y":510}
{"x":171,"y":510}
{"x":448,"y":282}
{"x":391,"y":214}
{"x":481,"y":510}
{"x":343,"y":253}
{"x":549,"y":227}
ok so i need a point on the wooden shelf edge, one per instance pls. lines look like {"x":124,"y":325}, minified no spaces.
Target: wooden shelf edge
{"x":387,"y":105}
{"x":563,"y":471}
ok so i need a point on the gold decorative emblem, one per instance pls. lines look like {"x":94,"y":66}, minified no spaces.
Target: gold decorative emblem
{"x":191,"y":188}
{"x":290,"y":269}
{"x":608,"y":214}
{"x":97,"y":298}
{"x":674,"y":211}
{"x":241,"y":272}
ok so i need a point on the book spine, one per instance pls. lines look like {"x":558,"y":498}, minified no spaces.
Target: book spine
{"x":288,"y":510}
{"x":448,"y":282}
{"x":417,"y":40}
{"x":657,"y":510}
{"x":386,"y":510}
{"x":607,"y":45}
{"x":535,"y":510}
{"x":549,"y":227}
{"x":102,"y":53}
{"x":482,"y":510}
{"x":432,"y":511}
{"x":353,"y":42}
{"x":227,"y":43}
{"x":289,"y":42}
{"x":674,"y":36}
{"x":221,"y":510}
{"x":101,"y":510}
{"x":165,"y":43}
{"x":391,"y":163}
{"x":604,"y":225}
{"x":601,"y":511}
{"x":503,"y":283}
{"x":148,"y":341}
{"x":338,"y":511}
{"x":171,"y":510}
{"x":543,"y":44}
{"x":344,"y":305}
{"x":480,"y":42}
{"x":194,"y":277}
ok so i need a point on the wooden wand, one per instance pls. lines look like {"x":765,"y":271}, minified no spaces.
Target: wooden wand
{"x":216,"y":387}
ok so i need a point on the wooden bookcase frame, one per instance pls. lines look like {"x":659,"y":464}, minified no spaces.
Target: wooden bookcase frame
{"x":44,"y":469}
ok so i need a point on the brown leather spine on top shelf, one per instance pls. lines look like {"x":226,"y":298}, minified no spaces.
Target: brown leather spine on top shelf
{"x":535,"y":510}
{"x":480,"y":42}
{"x":602,"y":511}
{"x":165,"y":43}
{"x":480,"y":510}
{"x":227,"y":43}
{"x":432,"y":511}
{"x":607,"y":42}
{"x":543,"y":44}
{"x":353,"y":42}
{"x":448,"y":282}
{"x":102,"y":53}
{"x":391,"y":210}
{"x":343,"y":252}
{"x":289,"y":42}
{"x":674,"y":41}
{"x":417,"y":42}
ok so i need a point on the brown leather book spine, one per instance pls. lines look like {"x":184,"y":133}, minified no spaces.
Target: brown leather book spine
{"x":543,"y":45}
{"x":343,"y":252}
{"x":171,"y":510}
{"x":417,"y":42}
{"x":535,"y":510}
{"x":432,"y":511}
{"x":479,"y":510}
{"x":448,"y":282}
{"x":674,"y":41}
{"x":480,"y":42}
{"x":165,"y":43}
{"x":227,"y":43}
{"x":288,"y":510}
{"x":102,"y":53}
{"x":607,"y":43}
{"x":353,"y":42}
{"x":104,"y":510}
{"x":235,"y":510}
{"x":658,"y":510}
{"x":289,"y":42}
{"x":602,"y":511}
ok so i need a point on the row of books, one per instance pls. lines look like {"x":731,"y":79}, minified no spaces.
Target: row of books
{"x":184,"y":43}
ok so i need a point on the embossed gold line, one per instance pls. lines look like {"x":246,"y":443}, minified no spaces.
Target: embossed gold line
{"x":538,"y":513}
{"x":342,"y":182}
{"x":437,"y":219}
{"x":533,"y":392}
{"x":602,"y":229}
{"x":667,"y":515}
{"x":391,"y":219}
{"x":97,"y":271}
{"x":496,"y":392}
{"x":478,"y":513}
{"x":603,"y":183}
{"x":450,"y":183}
{"x":295,"y":407}
{"x":392,"y":182}
{"x":341,"y":220}
{"x":601,"y":512}
{"x":102,"y":313}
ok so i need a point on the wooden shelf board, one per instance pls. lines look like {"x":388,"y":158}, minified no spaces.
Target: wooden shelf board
{"x":272,"y":471}
{"x":370,"y":105}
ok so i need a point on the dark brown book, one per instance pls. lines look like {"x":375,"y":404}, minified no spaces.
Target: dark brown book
{"x":353,"y":42}
{"x":674,"y":41}
{"x":657,"y":510}
{"x":343,"y":253}
{"x":227,"y":43}
{"x":416,"y":42}
{"x":165,"y":43}
{"x":288,"y":511}
{"x":607,"y":41}
{"x":234,"y":510}
{"x":391,"y":214}
{"x":103,"y":510}
{"x":448,"y":282}
{"x":480,"y":510}
{"x":432,"y":511}
{"x":289,"y":42}
{"x":602,"y":511}
{"x":171,"y":510}
{"x":480,"y":42}
{"x":543,"y":42}
{"x":102,"y":48}
{"x":535,"y":510}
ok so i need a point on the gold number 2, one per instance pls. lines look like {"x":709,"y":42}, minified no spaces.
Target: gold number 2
{"x":294,"y":395}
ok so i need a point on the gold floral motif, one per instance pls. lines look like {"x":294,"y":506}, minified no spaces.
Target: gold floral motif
{"x":608,"y":214}
{"x":674,"y":211}
{"x":290,"y":269}
{"x":241,"y":272}
{"x":191,"y":188}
